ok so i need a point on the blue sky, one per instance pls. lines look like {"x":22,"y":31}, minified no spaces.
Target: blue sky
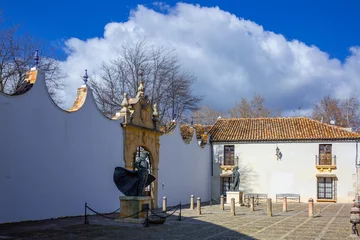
{"x":292,"y":53}
{"x":331,"y":25}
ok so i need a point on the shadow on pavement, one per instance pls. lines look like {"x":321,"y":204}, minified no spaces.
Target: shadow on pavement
{"x":190,"y":227}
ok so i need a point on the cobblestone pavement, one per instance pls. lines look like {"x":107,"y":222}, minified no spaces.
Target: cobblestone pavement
{"x":330,"y":222}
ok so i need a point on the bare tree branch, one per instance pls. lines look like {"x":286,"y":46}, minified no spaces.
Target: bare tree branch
{"x":16,"y":58}
{"x":254,"y":109}
{"x":165,"y":82}
{"x":344,"y":112}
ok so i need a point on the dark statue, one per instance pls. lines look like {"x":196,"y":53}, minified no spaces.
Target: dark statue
{"x":235,"y":179}
{"x":133,"y":183}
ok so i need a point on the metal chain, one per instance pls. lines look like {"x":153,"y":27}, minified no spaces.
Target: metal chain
{"x":177,"y":207}
{"x":103,"y":215}
{"x":145,"y":209}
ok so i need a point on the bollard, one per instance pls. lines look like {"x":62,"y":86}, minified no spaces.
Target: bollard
{"x":192,"y":202}
{"x":164,"y":205}
{"x":311,"y":207}
{"x":354,"y":219}
{"x":222,"y":202}
{"x":198,"y":205}
{"x":284,"y":204}
{"x":269,"y":207}
{"x":252,"y":204}
{"x":232,"y":210}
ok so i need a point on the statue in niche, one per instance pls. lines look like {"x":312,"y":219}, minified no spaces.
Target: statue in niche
{"x":235,"y":179}
{"x":133,"y":183}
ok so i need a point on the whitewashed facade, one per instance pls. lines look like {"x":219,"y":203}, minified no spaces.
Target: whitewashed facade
{"x":52,"y":161}
{"x":184,"y":169}
{"x":297,"y":172}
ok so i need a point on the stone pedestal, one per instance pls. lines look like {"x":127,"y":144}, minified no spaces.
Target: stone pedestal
{"x":237,"y":195}
{"x":130,"y":205}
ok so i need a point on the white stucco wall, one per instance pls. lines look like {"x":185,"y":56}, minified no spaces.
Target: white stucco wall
{"x":52,"y":162}
{"x":184,"y":169}
{"x":296,"y":172}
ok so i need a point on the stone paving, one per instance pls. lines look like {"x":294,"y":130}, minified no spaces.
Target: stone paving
{"x":331,"y":221}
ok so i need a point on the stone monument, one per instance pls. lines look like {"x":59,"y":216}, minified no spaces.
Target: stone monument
{"x":141,"y":128}
{"x":235,"y":190}
{"x":132,"y":185}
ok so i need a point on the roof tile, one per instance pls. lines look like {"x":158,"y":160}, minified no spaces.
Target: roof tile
{"x":276,"y":129}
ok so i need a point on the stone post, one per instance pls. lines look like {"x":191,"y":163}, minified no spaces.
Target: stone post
{"x":192,"y":202}
{"x":252,"y":204}
{"x":232,"y":209}
{"x":284,"y":204}
{"x":222,"y":202}
{"x":164,"y":204}
{"x":198,"y":205}
{"x":241,"y":201}
{"x":269,"y":207}
{"x":311,"y":207}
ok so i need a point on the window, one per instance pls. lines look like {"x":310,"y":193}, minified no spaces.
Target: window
{"x":225,"y":185}
{"x":228,"y":155}
{"x":325,"y":155}
{"x":325,"y":187}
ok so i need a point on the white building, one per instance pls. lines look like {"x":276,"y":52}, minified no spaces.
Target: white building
{"x":285,"y":155}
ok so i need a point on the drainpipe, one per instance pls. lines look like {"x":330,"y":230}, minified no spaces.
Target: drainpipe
{"x":211,"y":168}
{"x":357,"y":173}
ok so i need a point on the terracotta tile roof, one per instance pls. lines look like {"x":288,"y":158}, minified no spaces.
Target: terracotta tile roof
{"x":276,"y":129}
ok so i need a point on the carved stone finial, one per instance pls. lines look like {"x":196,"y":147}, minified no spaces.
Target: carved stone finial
{"x":125,"y":102}
{"x":141,"y":89}
{"x":155,"y":113}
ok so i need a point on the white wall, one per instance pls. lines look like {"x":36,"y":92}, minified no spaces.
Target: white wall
{"x":52,"y":162}
{"x":296,"y":172}
{"x":184,"y":169}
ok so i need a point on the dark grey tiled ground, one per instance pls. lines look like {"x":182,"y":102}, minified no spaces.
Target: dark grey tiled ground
{"x":332,"y":222}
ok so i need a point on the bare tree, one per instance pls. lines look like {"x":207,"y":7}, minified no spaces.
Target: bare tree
{"x":350,"y":108}
{"x":17,"y":57}
{"x":165,"y":82}
{"x":206,"y":115}
{"x":344,"y":112}
{"x":254,"y":109}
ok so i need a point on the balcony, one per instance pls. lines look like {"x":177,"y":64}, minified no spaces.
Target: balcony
{"x":325,"y":163}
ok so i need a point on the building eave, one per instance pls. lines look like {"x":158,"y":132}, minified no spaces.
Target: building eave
{"x":284,"y":141}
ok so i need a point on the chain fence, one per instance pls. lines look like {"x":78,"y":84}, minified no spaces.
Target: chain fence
{"x":161,"y":215}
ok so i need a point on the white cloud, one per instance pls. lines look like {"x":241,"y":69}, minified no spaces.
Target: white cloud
{"x":231,"y":57}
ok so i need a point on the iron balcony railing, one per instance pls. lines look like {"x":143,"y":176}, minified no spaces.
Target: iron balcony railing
{"x":325,"y":160}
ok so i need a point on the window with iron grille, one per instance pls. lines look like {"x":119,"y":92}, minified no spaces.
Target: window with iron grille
{"x":225,"y":185}
{"x":325,"y":187}
{"x":228,"y":155}
{"x":325,"y":155}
